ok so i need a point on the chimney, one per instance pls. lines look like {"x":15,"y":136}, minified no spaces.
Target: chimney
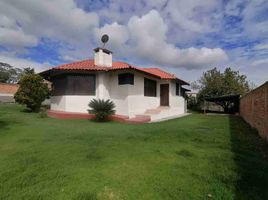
{"x":103,"y":57}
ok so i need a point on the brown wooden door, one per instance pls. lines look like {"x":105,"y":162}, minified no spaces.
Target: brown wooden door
{"x":164,"y":94}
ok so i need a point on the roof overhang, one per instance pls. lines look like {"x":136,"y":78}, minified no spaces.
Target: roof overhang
{"x":223,"y":98}
{"x":185,"y":89}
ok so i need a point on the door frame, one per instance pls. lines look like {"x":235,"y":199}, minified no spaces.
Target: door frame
{"x":164,"y":96}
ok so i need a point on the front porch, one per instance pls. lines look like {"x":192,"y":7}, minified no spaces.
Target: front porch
{"x":160,"y":113}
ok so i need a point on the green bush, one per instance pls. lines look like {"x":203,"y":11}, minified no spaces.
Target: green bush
{"x":32,"y":91}
{"x":193,"y":103}
{"x":101,"y":108}
{"x":43,"y":112}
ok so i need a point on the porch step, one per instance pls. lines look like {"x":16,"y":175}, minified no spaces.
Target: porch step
{"x":138,"y":119}
{"x":163,"y":112}
{"x":152,"y":111}
{"x":156,"y":110}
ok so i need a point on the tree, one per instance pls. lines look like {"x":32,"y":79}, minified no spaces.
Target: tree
{"x":9,"y":74}
{"x":4,"y":76}
{"x":26,"y":71}
{"x":32,"y":91}
{"x":213,"y":83}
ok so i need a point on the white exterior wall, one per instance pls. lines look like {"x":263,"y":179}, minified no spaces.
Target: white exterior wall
{"x":137,"y":102}
{"x":119,"y":94}
{"x":129,"y":99}
{"x":174,"y":100}
{"x":58,"y":103}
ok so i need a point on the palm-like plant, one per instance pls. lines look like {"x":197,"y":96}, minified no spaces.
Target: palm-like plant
{"x":101,"y":108}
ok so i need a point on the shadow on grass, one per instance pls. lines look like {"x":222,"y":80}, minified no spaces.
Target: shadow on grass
{"x":4,"y":125}
{"x":27,"y":110}
{"x":251,"y":159}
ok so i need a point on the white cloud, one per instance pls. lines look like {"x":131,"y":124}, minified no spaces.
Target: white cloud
{"x":22,"y":63}
{"x":260,"y":62}
{"x":261,"y":47}
{"x":118,"y":36}
{"x":145,"y":38}
{"x":254,"y":24}
{"x":59,"y":19}
{"x":192,"y":15}
{"x":16,"y":38}
{"x":233,"y":8}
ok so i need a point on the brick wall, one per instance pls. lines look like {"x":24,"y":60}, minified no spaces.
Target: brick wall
{"x":254,"y":109}
{"x":6,"y":88}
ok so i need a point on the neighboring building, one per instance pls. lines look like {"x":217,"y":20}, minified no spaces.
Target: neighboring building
{"x":184,"y":92}
{"x":134,"y":90}
{"x":190,"y":93}
{"x":7,"y":92}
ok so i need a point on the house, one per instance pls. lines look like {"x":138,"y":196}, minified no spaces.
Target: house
{"x":136,"y":92}
{"x":7,"y":92}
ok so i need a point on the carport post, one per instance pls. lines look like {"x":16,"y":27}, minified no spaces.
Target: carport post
{"x":204,"y":106}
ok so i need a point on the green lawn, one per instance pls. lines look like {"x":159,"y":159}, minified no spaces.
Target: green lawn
{"x":186,"y":158}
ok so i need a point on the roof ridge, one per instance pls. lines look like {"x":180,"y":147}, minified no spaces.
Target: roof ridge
{"x":73,"y":62}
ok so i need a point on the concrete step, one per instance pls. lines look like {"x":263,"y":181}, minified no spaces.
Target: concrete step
{"x":165,"y":112}
{"x":138,"y":119}
{"x":152,"y":111}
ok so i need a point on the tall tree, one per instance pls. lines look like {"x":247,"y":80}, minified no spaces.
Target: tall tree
{"x":9,"y":74}
{"x":4,"y":76}
{"x":213,"y":83}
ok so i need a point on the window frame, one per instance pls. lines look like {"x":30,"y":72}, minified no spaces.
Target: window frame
{"x":72,"y":89}
{"x":150,"y":91}
{"x":178,"y":89}
{"x":126,"y":79}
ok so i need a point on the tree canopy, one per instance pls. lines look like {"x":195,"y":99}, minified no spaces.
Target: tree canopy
{"x":10,"y":74}
{"x":214,"y":83}
{"x":32,"y":91}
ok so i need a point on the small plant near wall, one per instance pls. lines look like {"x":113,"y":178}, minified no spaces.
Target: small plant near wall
{"x":101,"y":108}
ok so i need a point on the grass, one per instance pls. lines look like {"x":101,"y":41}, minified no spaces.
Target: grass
{"x":195,"y":157}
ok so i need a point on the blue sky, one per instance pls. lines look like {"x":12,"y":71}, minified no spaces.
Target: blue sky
{"x":185,"y":37}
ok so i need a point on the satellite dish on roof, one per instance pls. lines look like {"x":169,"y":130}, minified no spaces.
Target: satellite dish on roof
{"x":104,"y":39}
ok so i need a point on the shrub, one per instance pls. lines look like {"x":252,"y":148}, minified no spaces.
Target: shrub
{"x":101,"y":108}
{"x":32,"y":91}
{"x":193,"y":103}
{"x":43,"y":112}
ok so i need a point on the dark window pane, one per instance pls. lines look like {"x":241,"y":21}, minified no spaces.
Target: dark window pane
{"x":59,"y":85}
{"x":126,"y":78}
{"x":149,"y":88}
{"x":177,"y":89}
{"x":81,"y":85}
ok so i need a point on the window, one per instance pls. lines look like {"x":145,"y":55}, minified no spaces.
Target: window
{"x":58,"y":86}
{"x":76,"y":84}
{"x":178,"y":89}
{"x":126,"y":78}
{"x":81,"y":85}
{"x":149,"y":88}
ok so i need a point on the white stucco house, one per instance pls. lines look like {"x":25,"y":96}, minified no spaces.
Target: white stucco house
{"x":135,"y":91}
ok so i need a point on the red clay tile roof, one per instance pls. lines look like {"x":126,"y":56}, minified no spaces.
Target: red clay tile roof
{"x":8,"y":88}
{"x":80,"y":65}
{"x":89,"y":65}
{"x":160,"y":73}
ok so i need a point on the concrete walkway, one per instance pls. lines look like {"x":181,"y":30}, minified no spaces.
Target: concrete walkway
{"x":170,"y":117}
